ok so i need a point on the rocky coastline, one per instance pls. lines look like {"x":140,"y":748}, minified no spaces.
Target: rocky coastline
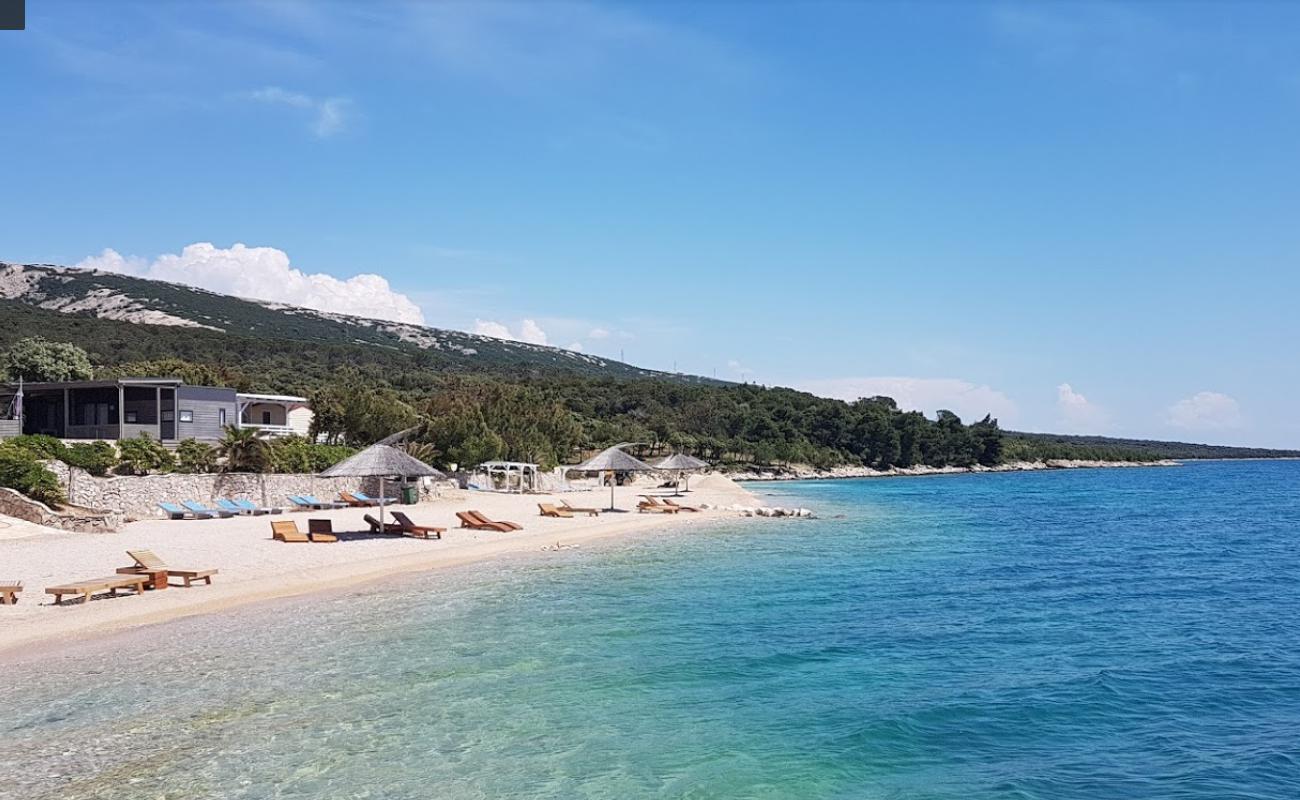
{"x":804,"y":472}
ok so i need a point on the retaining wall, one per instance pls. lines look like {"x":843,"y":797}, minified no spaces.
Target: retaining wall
{"x":69,"y":518}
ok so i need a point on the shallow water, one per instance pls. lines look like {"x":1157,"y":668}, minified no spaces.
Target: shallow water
{"x":1081,"y":634}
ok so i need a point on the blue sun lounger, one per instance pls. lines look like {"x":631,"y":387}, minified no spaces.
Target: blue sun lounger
{"x":252,"y":508}
{"x":174,"y":511}
{"x":374,"y":501}
{"x":198,"y":508}
{"x":315,"y":503}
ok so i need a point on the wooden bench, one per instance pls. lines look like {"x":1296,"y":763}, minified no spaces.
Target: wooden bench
{"x":93,"y":586}
{"x":9,"y":592}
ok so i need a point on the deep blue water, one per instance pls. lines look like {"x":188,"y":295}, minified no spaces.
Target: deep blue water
{"x":1081,"y":634}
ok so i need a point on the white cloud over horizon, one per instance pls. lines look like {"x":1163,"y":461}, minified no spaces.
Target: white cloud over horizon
{"x":529,"y":331}
{"x":265,"y":273}
{"x":1078,"y":414}
{"x":967,"y":400}
{"x":1206,"y":411}
{"x":329,"y":115}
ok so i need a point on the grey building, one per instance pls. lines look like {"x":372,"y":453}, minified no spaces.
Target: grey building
{"x":165,"y":408}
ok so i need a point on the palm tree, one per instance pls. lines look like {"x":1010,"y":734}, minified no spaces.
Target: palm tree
{"x":244,"y":450}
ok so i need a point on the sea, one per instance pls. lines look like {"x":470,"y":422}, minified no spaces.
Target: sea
{"x":1096,"y":634}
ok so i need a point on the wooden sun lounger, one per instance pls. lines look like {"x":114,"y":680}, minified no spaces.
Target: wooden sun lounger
{"x":651,"y":504}
{"x":549,"y":510}
{"x":671,"y":504}
{"x":468,"y":519}
{"x":389,"y":527}
{"x":147,"y":562}
{"x":354,"y":501}
{"x":9,"y":591}
{"x":591,"y":512}
{"x":514,"y":526}
{"x":287,"y":531}
{"x":93,"y":586}
{"x":409,"y":528}
{"x":321,"y":530}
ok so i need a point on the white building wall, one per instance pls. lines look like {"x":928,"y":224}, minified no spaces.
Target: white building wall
{"x":300,"y":419}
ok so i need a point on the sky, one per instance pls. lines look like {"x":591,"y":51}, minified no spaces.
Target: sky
{"x":1079,"y":218}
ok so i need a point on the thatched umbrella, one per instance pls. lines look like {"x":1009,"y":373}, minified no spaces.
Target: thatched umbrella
{"x":613,"y":460}
{"x":681,"y":464}
{"x":381,"y":461}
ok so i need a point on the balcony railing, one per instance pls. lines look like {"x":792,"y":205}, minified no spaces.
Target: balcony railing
{"x":269,"y":430}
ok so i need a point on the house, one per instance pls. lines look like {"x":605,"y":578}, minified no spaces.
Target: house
{"x":166,"y":409}
{"x":274,"y":414}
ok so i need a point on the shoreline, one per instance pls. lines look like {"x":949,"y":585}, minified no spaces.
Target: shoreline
{"x":803,"y":472}
{"x":277,"y":571}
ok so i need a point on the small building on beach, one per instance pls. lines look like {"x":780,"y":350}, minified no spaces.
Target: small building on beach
{"x":166,"y":409}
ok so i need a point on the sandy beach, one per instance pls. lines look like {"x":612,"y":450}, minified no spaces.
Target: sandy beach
{"x":253,"y":567}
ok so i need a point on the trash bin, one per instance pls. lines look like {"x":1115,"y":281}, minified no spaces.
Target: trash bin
{"x":410,"y":495}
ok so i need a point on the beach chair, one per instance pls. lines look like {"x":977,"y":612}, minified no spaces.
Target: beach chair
{"x":591,"y":512}
{"x":409,"y":528}
{"x":249,"y":505}
{"x":198,"y":508}
{"x":94,"y":586}
{"x":376,"y":501}
{"x":287,"y":531}
{"x":388,"y":527}
{"x":174,"y":511}
{"x":514,"y":526}
{"x":468,"y":519}
{"x":321,"y":530}
{"x":549,"y":510}
{"x":9,"y":591}
{"x":146,"y":561}
{"x":650,"y":504}
{"x":671,"y":504}
{"x":356,"y":502}
{"x":229,"y":505}
{"x":314,"y":502}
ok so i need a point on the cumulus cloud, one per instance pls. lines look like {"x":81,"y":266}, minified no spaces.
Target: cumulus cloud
{"x":529,"y":331}
{"x":598,"y":333}
{"x":1206,"y":411}
{"x":967,"y":400}
{"x":264,"y":273}
{"x":1078,"y":414}
{"x":328,"y":114}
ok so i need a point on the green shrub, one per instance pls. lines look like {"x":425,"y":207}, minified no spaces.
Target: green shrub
{"x":41,"y":446}
{"x":20,"y":470}
{"x":142,"y":455}
{"x":97,"y":458}
{"x":195,"y":456}
{"x":295,"y":454}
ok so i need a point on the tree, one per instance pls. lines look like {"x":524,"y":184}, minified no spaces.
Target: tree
{"x":21,"y":471}
{"x":38,"y":359}
{"x":244,"y":450}
{"x":194,"y":456}
{"x":97,"y":458}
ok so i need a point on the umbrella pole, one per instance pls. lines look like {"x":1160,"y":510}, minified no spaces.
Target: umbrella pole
{"x":381,"y":503}
{"x":611,"y":491}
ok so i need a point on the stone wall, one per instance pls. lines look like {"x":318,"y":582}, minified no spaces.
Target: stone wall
{"x":138,"y":496}
{"x":69,"y":518}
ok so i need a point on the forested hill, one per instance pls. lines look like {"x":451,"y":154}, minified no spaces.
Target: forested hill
{"x":1108,"y":447}
{"x":203,"y":324}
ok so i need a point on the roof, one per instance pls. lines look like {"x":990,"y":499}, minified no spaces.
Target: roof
{"x":271,"y":398}
{"x":45,"y":385}
{"x":507,"y":464}
{"x":616,"y":460}
{"x":381,"y":461}
{"x":681,"y":462}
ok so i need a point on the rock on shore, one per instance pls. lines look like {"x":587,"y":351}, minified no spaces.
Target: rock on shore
{"x":801,"y":472}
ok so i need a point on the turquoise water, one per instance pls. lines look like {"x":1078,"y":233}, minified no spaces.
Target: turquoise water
{"x":1084,"y":634}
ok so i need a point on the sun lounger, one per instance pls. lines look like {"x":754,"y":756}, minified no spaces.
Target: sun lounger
{"x":388,"y":527}
{"x":93,"y":586}
{"x":146,"y":561}
{"x":314,"y":502}
{"x":409,"y":528}
{"x":9,"y":591}
{"x":249,"y":505}
{"x":468,"y":519}
{"x":287,"y":531}
{"x":651,"y":504}
{"x":229,"y":505}
{"x":356,"y":502}
{"x":591,"y":512}
{"x":174,"y":511}
{"x":671,"y":504}
{"x":549,"y":510}
{"x":374,"y":501}
{"x":198,"y":508}
{"x":514,"y":526}
{"x":321,"y":530}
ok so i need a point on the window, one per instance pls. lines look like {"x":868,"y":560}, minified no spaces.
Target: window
{"x":221,"y":417}
{"x":132,"y":418}
{"x":187,"y":416}
{"x":266,"y":417}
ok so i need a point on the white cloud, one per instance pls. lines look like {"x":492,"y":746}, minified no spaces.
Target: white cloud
{"x":965,"y":399}
{"x":529,"y":331}
{"x":1078,"y":414}
{"x":1206,"y":411}
{"x":575,"y":347}
{"x":598,"y":333}
{"x":264,"y":273}
{"x":328,"y":114}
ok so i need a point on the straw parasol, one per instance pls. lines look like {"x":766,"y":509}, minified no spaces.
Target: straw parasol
{"x":613,"y":460}
{"x":681,"y":464}
{"x":381,"y":461}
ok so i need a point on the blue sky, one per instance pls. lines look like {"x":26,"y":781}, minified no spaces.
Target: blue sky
{"x":1081,"y":218}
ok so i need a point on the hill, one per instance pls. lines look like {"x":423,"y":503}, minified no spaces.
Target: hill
{"x":1045,"y":445}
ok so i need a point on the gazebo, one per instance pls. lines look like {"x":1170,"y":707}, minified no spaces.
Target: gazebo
{"x":381,"y":461}
{"x":682,"y":464}
{"x":613,"y":460}
{"x":521,"y":472}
